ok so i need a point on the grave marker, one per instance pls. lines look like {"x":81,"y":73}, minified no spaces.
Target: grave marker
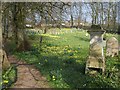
{"x":96,"y":60}
{"x":112,"y":47}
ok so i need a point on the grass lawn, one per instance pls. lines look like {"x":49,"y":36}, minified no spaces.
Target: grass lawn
{"x":62,"y":58}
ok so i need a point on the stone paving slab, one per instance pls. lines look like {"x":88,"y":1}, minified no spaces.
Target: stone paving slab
{"x":28,"y":76}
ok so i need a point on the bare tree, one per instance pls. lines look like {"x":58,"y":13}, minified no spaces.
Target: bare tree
{"x":101,"y":14}
{"x":114,"y":15}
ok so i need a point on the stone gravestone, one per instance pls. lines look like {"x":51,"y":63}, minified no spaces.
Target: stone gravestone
{"x":96,"y":60}
{"x":112,"y":47}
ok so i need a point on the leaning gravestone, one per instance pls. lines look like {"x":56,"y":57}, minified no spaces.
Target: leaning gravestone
{"x":96,"y":60}
{"x":112,"y":47}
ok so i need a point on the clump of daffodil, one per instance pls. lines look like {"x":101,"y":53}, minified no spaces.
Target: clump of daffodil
{"x":68,"y":50}
{"x":5,"y":81}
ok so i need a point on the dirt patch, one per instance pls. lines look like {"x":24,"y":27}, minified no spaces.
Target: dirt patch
{"x":27,"y":76}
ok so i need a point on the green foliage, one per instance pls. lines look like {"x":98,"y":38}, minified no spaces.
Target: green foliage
{"x":32,"y":37}
{"x":62,"y":60}
{"x":112,"y":71}
{"x":9,"y":77}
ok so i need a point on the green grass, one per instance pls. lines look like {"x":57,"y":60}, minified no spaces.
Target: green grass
{"x":62,"y":59}
{"x":9,"y":77}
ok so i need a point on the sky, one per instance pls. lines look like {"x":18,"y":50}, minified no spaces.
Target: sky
{"x":86,"y":13}
{"x":67,"y":16}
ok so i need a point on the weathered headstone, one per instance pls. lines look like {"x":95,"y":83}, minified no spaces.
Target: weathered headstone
{"x":112,"y":47}
{"x":96,"y":60}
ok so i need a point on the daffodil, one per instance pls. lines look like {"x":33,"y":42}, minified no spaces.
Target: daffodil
{"x":69,"y":51}
{"x":5,"y":81}
{"x":53,"y":77}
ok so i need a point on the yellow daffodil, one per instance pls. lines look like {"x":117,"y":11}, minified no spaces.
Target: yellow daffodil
{"x":53,"y":79}
{"x":5,"y":81}
{"x":53,"y":76}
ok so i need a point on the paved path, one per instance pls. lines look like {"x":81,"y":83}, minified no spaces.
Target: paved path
{"x":28,"y":76}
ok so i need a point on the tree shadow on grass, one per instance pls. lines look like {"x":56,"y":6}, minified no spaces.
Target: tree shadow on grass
{"x":118,"y":65}
{"x":69,"y":71}
{"x":74,"y":75}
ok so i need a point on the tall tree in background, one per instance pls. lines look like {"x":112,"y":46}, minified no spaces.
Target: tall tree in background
{"x":14,"y":22}
{"x":1,"y":57}
{"x":114,"y":15}
{"x":71,"y":15}
{"x":79,"y":12}
{"x":108,"y":15}
{"x":101,"y":14}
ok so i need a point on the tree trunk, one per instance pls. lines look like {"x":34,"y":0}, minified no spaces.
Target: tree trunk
{"x":71,"y":16}
{"x":108,"y":18}
{"x":80,"y":14}
{"x":93,"y":16}
{"x":114,"y":16}
{"x":15,"y":27}
{"x":97,"y":12}
{"x":42,"y":20}
{"x":1,"y":58}
{"x":24,"y":45}
{"x":102,"y":14}
{"x":6,"y":26}
{"x":41,"y":37}
{"x":71,"y":20}
{"x":78,"y":22}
